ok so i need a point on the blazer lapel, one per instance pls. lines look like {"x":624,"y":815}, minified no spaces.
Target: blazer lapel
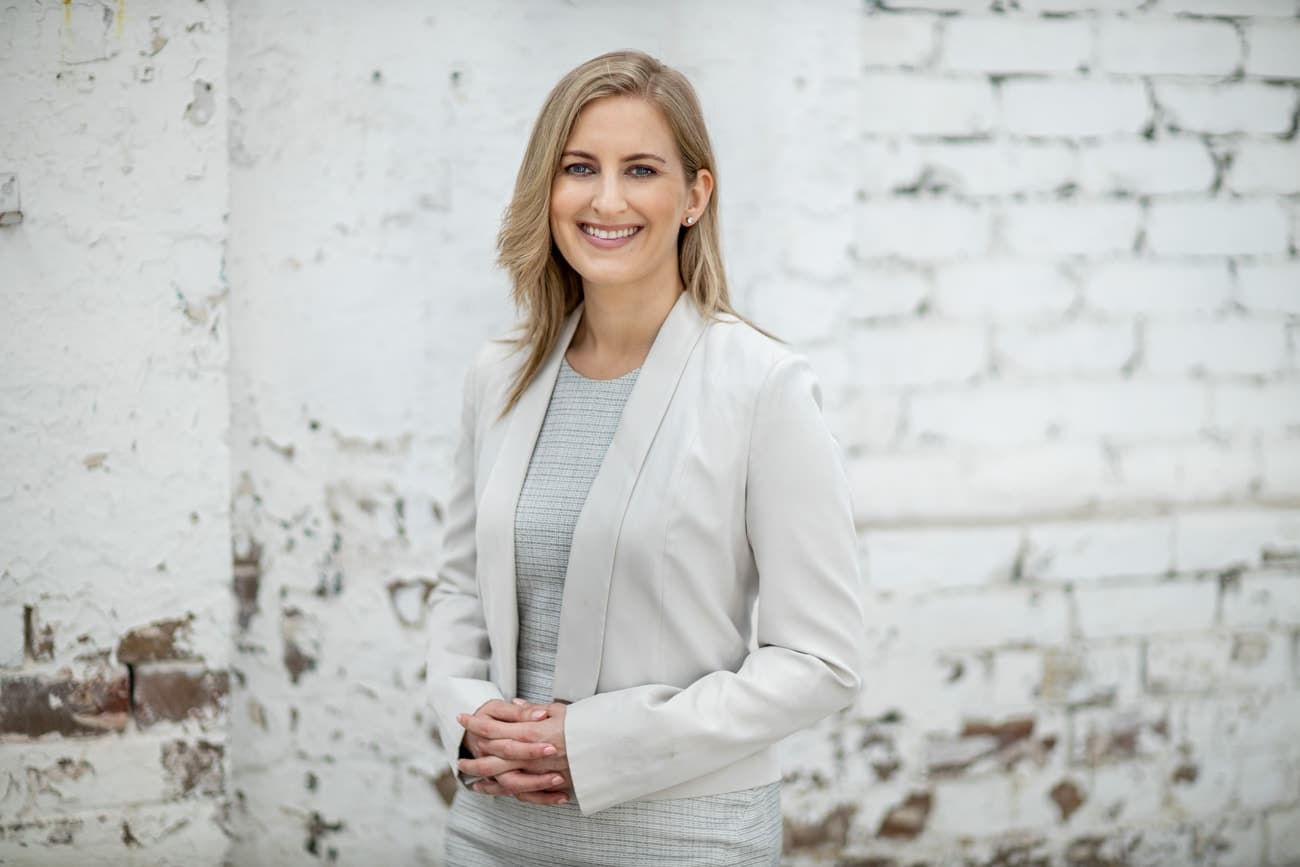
{"x":496,"y":555}
{"x":595,"y":538}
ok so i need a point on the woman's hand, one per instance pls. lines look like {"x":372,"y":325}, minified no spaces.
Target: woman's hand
{"x":522,"y":754}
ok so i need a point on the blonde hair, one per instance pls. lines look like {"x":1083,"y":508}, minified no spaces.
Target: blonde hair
{"x":546,"y":289}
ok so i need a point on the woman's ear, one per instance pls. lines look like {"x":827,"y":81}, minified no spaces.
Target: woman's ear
{"x":701,"y":189}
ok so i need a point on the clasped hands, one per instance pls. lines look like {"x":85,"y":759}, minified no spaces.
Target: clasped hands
{"x":519,"y":748}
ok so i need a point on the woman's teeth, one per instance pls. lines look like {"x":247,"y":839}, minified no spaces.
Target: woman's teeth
{"x":610,"y":236}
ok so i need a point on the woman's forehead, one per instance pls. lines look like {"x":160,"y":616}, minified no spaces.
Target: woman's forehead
{"x":617,"y":123}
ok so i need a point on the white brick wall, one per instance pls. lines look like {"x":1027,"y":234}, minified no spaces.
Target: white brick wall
{"x":1042,"y":254}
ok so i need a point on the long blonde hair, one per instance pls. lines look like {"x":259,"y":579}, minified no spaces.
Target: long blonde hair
{"x":546,"y":289}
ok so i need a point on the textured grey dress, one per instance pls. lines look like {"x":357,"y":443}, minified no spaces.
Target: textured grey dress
{"x":741,"y":828}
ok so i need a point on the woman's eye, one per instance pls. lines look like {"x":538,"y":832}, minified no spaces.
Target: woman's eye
{"x":579,"y":169}
{"x":642,"y":171}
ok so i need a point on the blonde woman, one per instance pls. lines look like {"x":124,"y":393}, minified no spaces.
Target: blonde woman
{"x":637,"y":467}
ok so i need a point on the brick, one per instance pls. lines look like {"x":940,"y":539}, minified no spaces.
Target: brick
{"x":1180,"y":472}
{"x":1006,"y":44}
{"x":940,"y":5}
{"x":979,"y":168}
{"x":1070,"y":228}
{"x":12,"y":651}
{"x":1162,"y":46}
{"x":1230,"y":8}
{"x":1119,"y":792}
{"x":1105,"y":736}
{"x":1168,"y":165}
{"x":1280,"y":475}
{"x":177,"y":692}
{"x":1269,"y":287}
{"x":983,"y":618}
{"x":1003,"y":484}
{"x":898,"y":40}
{"x":1104,"y":611}
{"x":896,"y":102}
{"x":924,"y":559}
{"x":193,"y":768}
{"x":1074,"y":347}
{"x":1266,"y":167}
{"x":1099,"y":550}
{"x":1214,"y":541}
{"x":1002,"y":289}
{"x":922,"y":230}
{"x":973,"y":807}
{"x":63,"y":776}
{"x":1241,"y":723}
{"x":1108,"y":674}
{"x":186,"y":832}
{"x":1227,"y":346}
{"x":89,"y":705}
{"x":1209,"y":663}
{"x":1282,"y":830}
{"x":1014,"y":414}
{"x":803,"y":313}
{"x":1273,"y":48}
{"x":1145,"y":287}
{"x":1039,"y":6}
{"x":1074,"y":108}
{"x":1217,"y":228}
{"x":919,"y":354}
{"x":885,"y":290}
{"x":160,"y":640}
{"x":1235,"y":107}
{"x":1262,"y":406}
{"x":888,"y":165}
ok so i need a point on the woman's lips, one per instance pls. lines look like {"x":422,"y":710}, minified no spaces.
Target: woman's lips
{"x":622,"y":235}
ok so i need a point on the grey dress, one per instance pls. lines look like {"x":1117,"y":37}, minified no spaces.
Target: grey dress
{"x":741,"y":828}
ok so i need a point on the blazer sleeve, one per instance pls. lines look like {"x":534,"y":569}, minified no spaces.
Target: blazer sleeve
{"x":456,"y":668}
{"x":632,"y":742}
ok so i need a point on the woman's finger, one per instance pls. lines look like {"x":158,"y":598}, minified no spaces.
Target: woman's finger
{"x":488,"y":766}
{"x":516,"y":750}
{"x":486,"y":727}
{"x":510,"y":711}
{"x":549,"y":799}
{"x":514,"y":782}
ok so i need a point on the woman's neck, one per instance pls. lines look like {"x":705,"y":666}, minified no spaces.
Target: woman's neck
{"x":617,"y":329}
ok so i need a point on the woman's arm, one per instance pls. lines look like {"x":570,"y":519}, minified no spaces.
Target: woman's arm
{"x":458,"y":650}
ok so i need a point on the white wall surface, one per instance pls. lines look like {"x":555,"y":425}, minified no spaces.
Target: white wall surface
{"x":1042,"y":253}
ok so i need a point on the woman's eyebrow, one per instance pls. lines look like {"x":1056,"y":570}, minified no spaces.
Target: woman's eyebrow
{"x":627,"y":159}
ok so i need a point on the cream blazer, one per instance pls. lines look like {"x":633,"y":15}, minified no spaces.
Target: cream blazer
{"x":722,"y":485}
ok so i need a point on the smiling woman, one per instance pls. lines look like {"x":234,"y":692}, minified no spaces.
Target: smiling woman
{"x":637,"y":466}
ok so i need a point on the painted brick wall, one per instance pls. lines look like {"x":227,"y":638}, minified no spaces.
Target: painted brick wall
{"x":1043,"y":254}
{"x":115,"y":614}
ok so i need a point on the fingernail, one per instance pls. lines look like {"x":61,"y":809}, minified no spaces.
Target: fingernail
{"x":460,"y":718}
{"x":539,"y":714}
{"x":563,"y":799}
{"x":557,"y":780}
{"x":549,"y":750}
{"x":517,"y":701}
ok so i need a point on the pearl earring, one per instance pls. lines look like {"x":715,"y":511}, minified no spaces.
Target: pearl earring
{"x":690,"y":220}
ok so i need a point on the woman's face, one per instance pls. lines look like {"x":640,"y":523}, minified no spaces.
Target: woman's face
{"x":621,"y":195}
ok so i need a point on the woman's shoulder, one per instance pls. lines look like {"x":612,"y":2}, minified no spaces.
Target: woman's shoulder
{"x":744,"y":348}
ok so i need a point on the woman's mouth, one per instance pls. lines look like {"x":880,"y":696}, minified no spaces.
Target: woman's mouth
{"x":608,"y":238}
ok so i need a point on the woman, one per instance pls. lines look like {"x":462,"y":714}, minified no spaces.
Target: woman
{"x":635,"y":470}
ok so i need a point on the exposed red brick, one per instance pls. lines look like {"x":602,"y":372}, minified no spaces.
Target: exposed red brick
{"x":34,"y":706}
{"x":446,"y":785}
{"x":247,"y":582}
{"x":159,"y":641}
{"x":178,"y":692}
{"x":296,"y":661}
{"x":1068,"y":798}
{"x":830,"y":833}
{"x":1186,"y":773}
{"x":38,"y":638}
{"x":193,"y":768}
{"x":1005,"y":732}
{"x":908,"y":819}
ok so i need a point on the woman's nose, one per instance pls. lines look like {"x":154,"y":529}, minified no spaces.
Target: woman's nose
{"x":609,"y":194}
